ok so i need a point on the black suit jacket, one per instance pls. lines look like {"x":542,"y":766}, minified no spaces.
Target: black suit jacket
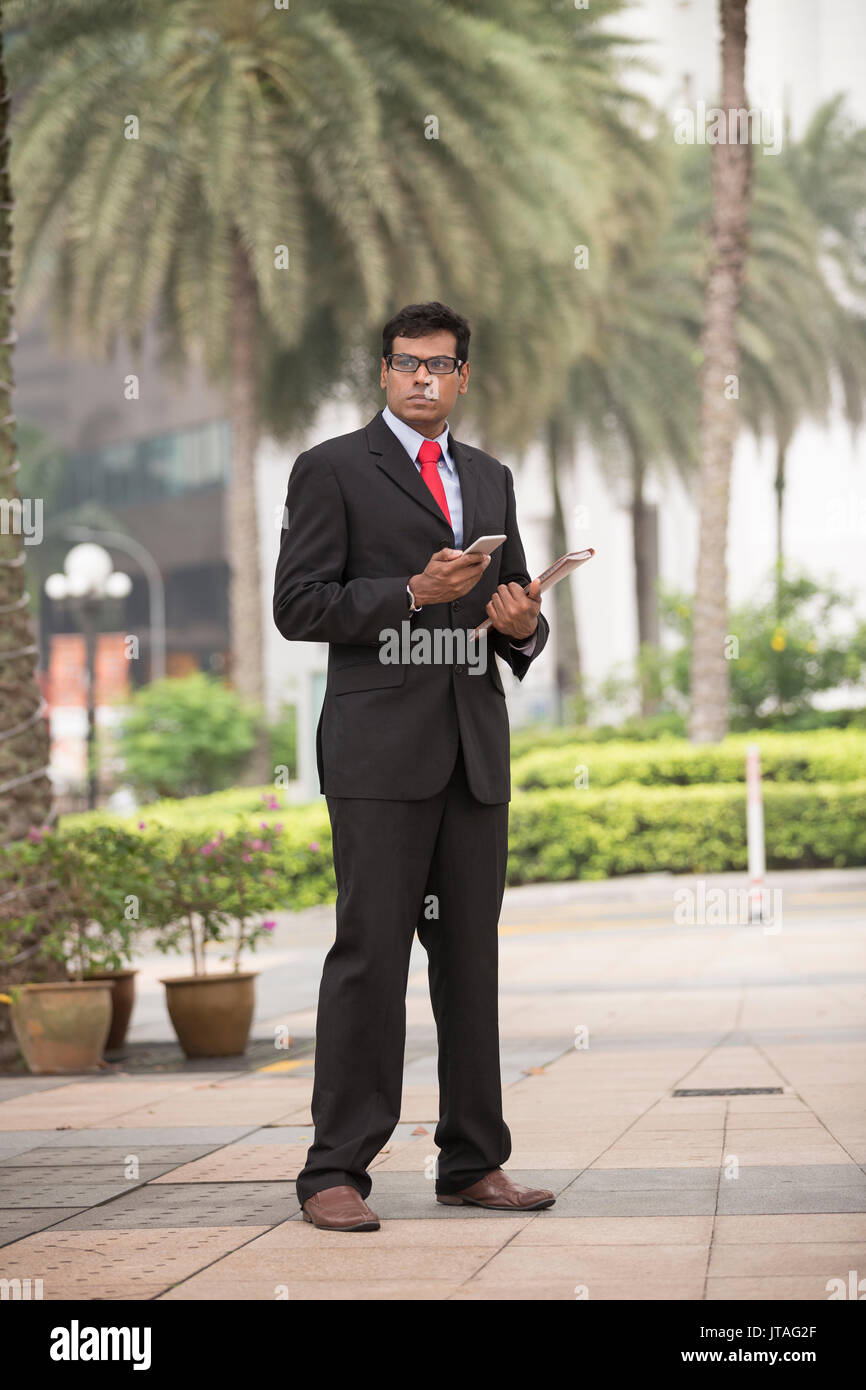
{"x":359,"y":521}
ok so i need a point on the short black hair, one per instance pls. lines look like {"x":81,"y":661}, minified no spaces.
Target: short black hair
{"x":417,"y":320}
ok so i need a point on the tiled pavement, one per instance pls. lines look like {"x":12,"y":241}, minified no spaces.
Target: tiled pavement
{"x":179,"y":1184}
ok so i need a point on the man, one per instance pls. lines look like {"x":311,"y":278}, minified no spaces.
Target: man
{"x":413,"y":760}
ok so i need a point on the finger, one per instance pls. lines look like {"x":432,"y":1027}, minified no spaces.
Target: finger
{"x":447,"y":553}
{"x":534,"y":591}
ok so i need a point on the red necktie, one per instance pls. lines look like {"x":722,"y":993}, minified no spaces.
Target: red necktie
{"x":430,"y":454}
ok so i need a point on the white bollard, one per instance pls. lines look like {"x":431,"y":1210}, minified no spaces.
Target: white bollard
{"x":755,"y":832}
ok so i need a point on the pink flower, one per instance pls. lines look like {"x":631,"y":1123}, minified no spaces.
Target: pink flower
{"x":268,"y":873}
{"x":314,"y":846}
{"x":269,"y":926}
{"x":35,"y":834}
{"x":141,"y":825}
{"x":247,"y":858}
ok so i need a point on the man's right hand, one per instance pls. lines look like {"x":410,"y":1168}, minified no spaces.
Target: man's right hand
{"x":449,"y":574}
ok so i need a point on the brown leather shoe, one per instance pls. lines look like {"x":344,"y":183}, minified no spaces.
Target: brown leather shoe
{"x":339,"y":1209}
{"x":499,"y":1193}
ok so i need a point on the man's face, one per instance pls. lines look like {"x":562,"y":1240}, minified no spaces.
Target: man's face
{"x":420,"y":398}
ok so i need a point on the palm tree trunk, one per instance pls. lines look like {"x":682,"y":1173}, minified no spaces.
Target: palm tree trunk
{"x":242,"y":525}
{"x":568,"y":673}
{"x":731,"y":164}
{"x":779,"y":484}
{"x":25,"y":788}
{"x":644,"y":523}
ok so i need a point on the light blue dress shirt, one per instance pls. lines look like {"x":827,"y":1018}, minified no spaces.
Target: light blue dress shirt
{"x":412,"y":441}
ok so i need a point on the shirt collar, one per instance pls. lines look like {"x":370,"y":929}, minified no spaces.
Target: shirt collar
{"x":412,"y":440}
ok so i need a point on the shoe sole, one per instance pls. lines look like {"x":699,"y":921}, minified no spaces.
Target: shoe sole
{"x":455,"y":1201}
{"x":361,"y":1226}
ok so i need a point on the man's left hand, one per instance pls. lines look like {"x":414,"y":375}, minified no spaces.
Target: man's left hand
{"x":514,"y":612}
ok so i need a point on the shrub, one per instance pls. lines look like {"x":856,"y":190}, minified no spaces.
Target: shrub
{"x":597,"y":834}
{"x":822,"y":756}
{"x":185,"y":735}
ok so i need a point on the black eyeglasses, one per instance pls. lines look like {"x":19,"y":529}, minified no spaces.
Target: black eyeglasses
{"x":439,"y":366}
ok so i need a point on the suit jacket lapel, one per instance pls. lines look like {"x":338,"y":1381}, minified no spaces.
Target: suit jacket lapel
{"x":393,"y":460}
{"x":468,"y":484}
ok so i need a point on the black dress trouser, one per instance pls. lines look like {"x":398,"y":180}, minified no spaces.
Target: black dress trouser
{"x":390,"y":857}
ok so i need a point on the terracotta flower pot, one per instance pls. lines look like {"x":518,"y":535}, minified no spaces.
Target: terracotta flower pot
{"x":212,"y":1014}
{"x":122,"y":1000}
{"x":62,"y":1027}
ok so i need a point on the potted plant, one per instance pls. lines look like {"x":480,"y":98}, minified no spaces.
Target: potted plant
{"x":102,"y":872}
{"x":59,"y":1025}
{"x":214,"y":892}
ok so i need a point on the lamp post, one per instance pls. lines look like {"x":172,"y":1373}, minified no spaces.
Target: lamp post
{"x":88,"y":579}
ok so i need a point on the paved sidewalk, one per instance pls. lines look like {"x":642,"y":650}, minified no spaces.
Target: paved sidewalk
{"x":177,"y":1183}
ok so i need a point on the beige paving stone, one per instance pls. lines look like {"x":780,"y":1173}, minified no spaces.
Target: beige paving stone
{"x":210,"y":1285}
{"x":601,"y":1291}
{"x":779,"y":1289}
{"x":809,"y":1226}
{"x":206,"y":1107}
{"x":782,"y":1154}
{"x":84,"y":1104}
{"x":639,"y":1158}
{"x":617,"y":1230}
{"x":133,"y":1264}
{"x":356,"y":1256}
{"x":668,"y":1123}
{"x":584,"y":1263}
{"x":242,"y":1163}
{"x":786,"y":1119}
{"x":410,"y":1233}
{"x":833,"y":1259}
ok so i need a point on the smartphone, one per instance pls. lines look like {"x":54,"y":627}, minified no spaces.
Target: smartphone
{"x":485,"y":545}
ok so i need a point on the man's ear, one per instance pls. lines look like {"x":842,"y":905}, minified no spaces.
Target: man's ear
{"x":383,"y":374}
{"x":464,"y":379}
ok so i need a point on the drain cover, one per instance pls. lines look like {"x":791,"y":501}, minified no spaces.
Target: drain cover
{"x":734,"y":1091}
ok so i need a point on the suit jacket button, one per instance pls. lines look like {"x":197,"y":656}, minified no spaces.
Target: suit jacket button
{"x":458,"y":670}
{"x":456,"y":603}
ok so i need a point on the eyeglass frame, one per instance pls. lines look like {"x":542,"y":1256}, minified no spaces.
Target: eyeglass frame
{"x":422,"y":362}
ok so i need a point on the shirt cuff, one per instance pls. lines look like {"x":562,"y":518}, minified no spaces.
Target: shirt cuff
{"x":527,"y":646}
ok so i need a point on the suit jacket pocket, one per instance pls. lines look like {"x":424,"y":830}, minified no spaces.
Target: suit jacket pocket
{"x":371,"y":675}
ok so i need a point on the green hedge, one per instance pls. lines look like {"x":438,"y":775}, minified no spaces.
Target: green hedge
{"x":565,"y":833}
{"x":833,"y":755}
{"x":598,"y":834}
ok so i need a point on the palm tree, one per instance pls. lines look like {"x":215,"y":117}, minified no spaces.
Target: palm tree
{"x":168,"y":152}
{"x":827,"y":167}
{"x":731,"y":169}
{"x":25,"y":790}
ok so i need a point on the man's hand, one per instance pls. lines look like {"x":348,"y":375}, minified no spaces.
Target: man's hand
{"x":514,"y":612}
{"x":449,"y":574}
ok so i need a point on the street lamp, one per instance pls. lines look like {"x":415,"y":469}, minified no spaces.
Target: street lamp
{"x":88,"y":579}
